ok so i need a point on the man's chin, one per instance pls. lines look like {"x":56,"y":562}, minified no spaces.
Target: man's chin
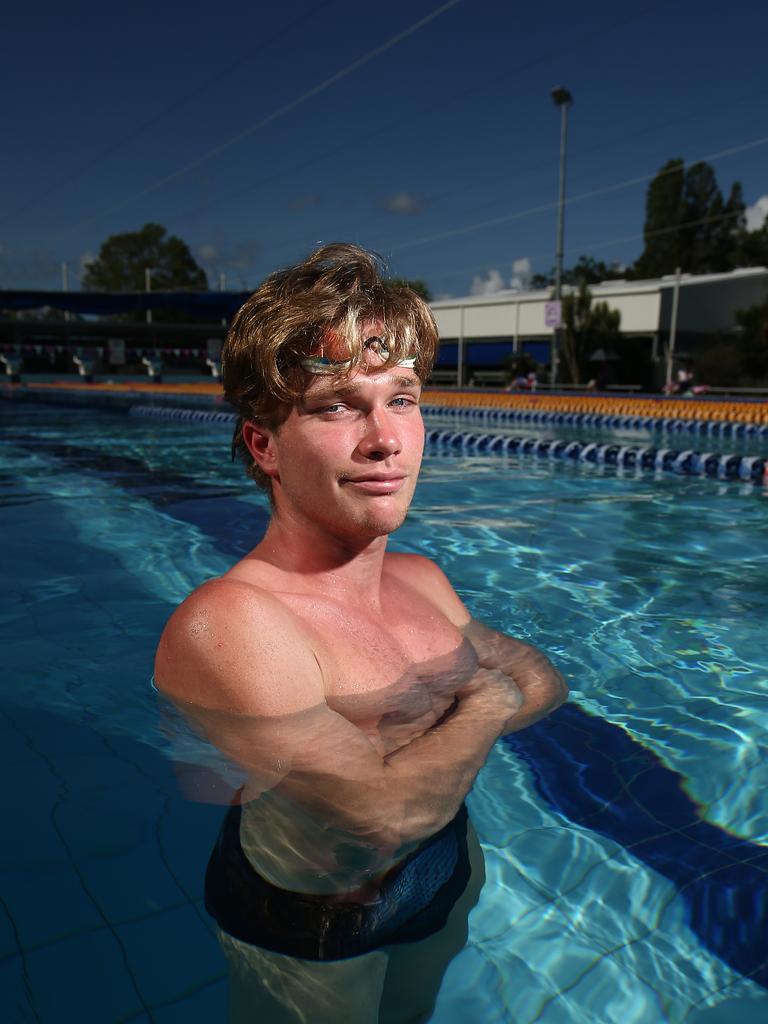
{"x":380,"y":522}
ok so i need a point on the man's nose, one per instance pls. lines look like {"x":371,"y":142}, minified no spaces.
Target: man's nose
{"x":381,"y":438}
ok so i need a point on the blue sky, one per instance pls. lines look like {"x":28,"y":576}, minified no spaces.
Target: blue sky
{"x":424,"y":130}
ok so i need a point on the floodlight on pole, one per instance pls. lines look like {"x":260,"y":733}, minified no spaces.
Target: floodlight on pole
{"x":562,"y":99}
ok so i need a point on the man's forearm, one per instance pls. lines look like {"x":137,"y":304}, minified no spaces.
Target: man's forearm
{"x":433,"y":773}
{"x":542,"y":686}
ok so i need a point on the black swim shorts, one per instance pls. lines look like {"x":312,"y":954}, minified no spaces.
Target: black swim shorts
{"x":414,"y":901}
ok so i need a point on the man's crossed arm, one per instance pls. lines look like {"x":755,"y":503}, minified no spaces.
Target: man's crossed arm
{"x":542,"y":686}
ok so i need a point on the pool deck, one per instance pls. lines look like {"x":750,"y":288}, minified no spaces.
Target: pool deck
{"x":655,"y":406}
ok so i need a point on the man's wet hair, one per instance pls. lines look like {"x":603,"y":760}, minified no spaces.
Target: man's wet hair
{"x":330,"y":298}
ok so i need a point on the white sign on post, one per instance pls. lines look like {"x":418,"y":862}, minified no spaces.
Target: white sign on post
{"x":553,"y":315}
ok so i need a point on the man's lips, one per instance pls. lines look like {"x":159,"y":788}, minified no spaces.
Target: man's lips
{"x":377,"y":483}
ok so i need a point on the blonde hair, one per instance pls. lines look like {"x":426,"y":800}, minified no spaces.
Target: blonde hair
{"x":337,"y":292}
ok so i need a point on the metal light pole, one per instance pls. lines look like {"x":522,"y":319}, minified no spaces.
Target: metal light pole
{"x":65,"y":288}
{"x":563,"y":99}
{"x":223,"y":288}
{"x":148,"y":288}
{"x":673,"y":328}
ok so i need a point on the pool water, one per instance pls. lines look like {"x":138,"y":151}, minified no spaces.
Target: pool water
{"x":626,"y":838}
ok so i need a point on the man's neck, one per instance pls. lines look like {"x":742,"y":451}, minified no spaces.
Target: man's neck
{"x":323,"y":563}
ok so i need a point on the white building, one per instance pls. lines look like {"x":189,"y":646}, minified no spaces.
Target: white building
{"x":483,"y":330}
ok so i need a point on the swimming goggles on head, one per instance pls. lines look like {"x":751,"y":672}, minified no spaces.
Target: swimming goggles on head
{"x":321,"y":364}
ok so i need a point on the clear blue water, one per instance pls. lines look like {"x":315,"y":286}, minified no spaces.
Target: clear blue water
{"x":626,"y":846}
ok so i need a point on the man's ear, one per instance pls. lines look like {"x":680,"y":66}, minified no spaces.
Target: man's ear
{"x":259,"y":442}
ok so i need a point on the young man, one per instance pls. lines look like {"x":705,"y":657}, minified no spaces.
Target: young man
{"x":351,"y":684}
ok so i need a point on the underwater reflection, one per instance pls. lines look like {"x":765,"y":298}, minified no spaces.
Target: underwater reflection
{"x":329,"y":906}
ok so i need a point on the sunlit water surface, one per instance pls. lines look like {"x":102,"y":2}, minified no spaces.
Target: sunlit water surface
{"x":651,"y":594}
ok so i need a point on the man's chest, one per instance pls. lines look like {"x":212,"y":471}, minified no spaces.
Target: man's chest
{"x":400,"y":669}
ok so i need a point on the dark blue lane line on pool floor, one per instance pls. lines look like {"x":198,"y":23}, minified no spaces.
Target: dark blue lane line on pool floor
{"x":594,"y":773}
{"x":585,"y":767}
{"x":232,"y":524}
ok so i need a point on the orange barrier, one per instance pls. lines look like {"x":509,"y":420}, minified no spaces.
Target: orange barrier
{"x":119,"y":387}
{"x":606,"y":405}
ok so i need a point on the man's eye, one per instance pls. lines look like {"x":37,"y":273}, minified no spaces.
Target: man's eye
{"x":403,"y":401}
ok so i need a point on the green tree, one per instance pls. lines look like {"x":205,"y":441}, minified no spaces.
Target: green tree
{"x":123,"y":259}
{"x":688,"y":224}
{"x":587,"y":328}
{"x":753,"y":247}
{"x":416,"y":285}
{"x":586,"y":269}
{"x":664,"y":210}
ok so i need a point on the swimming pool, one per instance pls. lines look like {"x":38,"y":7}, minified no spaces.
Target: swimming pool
{"x":626,"y":839}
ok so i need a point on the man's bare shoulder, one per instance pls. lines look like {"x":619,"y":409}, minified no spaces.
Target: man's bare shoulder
{"x":429,"y":580}
{"x":234,"y":646}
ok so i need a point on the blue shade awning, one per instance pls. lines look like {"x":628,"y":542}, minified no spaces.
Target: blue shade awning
{"x":477,"y":353}
{"x":199,"y":304}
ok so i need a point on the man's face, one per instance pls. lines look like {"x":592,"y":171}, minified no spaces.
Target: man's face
{"x":348,"y":455}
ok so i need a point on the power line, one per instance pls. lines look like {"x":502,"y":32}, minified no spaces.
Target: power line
{"x":286,"y":108}
{"x":606,"y":243}
{"x":292,"y":243}
{"x":441,"y":104}
{"x":394,"y":124}
{"x":544,"y":207}
{"x":118,"y":144}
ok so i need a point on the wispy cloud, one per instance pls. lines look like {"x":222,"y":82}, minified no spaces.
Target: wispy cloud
{"x":487,"y":285}
{"x":208,"y":253}
{"x":237,"y":258}
{"x":404,"y":203}
{"x":522,"y":272}
{"x":85,"y":258}
{"x":757,"y":213}
{"x":300,"y":203}
{"x":494,"y":281}
{"x":232,"y":264}
{"x":35,"y":268}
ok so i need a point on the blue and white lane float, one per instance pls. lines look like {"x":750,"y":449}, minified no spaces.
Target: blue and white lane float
{"x":723,"y":465}
{"x":685,"y":462}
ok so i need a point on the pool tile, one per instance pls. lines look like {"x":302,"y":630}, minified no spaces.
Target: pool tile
{"x":187,"y":833}
{"x":30,"y":796}
{"x":48,"y":903}
{"x":208,"y":1004}
{"x":132,"y":883}
{"x":29,"y":792}
{"x":83,"y":979}
{"x":106,"y":819}
{"x":98,"y":775}
{"x":16,"y":1002}
{"x":15,"y":748}
{"x":8,"y":943}
{"x":171,"y":953}
{"x":64,"y":737}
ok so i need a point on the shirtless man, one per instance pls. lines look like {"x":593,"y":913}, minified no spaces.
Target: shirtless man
{"x":351,"y":685}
